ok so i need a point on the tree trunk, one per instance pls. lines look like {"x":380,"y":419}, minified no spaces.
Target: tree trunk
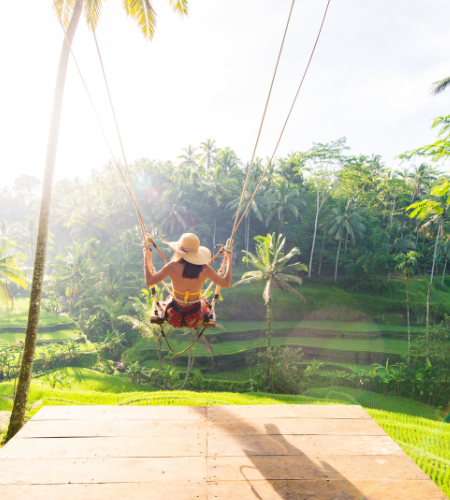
{"x":434,"y":256}
{"x":428,"y":319}
{"x":23,"y":386}
{"x":407,"y":319}
{"x":337,"y":261}
{"x":314,"y":237}
{"x":248,"y":232}
{"x":321,"y":254}
{"x":159,"y":360}
{"x":269,"y":331}
{"x":445,"y":267}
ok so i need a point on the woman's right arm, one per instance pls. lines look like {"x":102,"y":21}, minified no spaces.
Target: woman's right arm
{"x":153,"y":279}
{"x":223,"y":281}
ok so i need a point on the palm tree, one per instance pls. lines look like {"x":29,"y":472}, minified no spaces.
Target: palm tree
{"x":347,"y":222}
{"x":9,"y":271}
{"x":421,"y":177}
{"x":227,"y":159}
{"x":285,"y":197}
{"x":209,"y":153}
{"x":218,"y":184}
{"x":399,"y":242}
{"x":171,"y":211}
{"x":188,"y":158}
{"x":74,"y":271}
{"x":272,"y":267}
{"x":407,"y":265}
{"x":113,"y":309}
{"x":440,"y":86}
{"x":255,"y":207}
{"x":69,"y":12}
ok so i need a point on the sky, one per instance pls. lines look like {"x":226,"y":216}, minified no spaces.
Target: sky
{"x":207,"y":76}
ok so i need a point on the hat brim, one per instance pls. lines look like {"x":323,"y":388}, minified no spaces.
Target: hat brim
{"x":201,"y":257}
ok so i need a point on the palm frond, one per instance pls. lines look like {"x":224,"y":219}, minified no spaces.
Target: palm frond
{"x":5,"y":295}
{"x":142,"y":12}
{"x":64,"y":10}
{"x":289,"y":277}
{"x":247,"y":281}
{"x":293,"y":290}
{"x":180,"y":6}
{"x":440,"y":86}
{"x":92,"y":11}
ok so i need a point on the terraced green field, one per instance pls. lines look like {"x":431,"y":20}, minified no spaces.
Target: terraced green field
{"x":326,"y":326}
{"x":58,"y":336}
{"x":390,"y":346}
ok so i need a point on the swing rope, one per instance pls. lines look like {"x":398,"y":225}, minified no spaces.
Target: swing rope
{"x":187,"y":348}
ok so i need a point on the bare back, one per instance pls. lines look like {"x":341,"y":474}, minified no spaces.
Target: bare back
{"x":174,"y":271}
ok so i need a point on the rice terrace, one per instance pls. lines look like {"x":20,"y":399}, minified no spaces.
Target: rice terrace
{"x":224,"y":251}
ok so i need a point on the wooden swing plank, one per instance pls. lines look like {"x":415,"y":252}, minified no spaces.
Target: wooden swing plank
{"x":101,"y":470}
{"x":110,"y":491}
{"x":120,"y":412}
{"x":376,"y":467}
{"x":269,"y":426}
{"x":286,"y":411}
{"x":122,"y":447}
{"x":316,"y":446}
{"x":111,"y":428}
{"x":326,"y":490}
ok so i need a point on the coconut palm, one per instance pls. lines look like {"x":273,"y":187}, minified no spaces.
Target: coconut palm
{"x":218,"y":185}
{"x":170,"y":212}
{"x":284,"y":197}
{"x":256,"y":207}
{"x":272,"y":267}
{"x":399,"y":241}
{"x":421,"y":177}
{"x":408,"y":266}
{"x":348,"y":223}
{"x":74,"y":271}
{"x":227,"y":159}
{"x":9,"y":271}
{"x":208,"y":154}
{"x":69,"y":13}
{"x":188,"y":158}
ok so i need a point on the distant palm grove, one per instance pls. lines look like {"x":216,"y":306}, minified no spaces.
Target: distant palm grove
{"x":348,"y":215}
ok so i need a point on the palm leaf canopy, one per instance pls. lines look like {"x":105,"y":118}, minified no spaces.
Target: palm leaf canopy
{"x":272,"y":266}
{"x":140,"y":10}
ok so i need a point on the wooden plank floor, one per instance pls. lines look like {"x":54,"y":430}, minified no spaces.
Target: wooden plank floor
{"x":295,"y":452}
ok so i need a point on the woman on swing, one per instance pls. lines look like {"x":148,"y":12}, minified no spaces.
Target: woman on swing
{"x":188,"y":271}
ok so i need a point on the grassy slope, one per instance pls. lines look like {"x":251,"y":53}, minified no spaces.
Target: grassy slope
{"x":377,"y":299}
{"x":18,"y":316}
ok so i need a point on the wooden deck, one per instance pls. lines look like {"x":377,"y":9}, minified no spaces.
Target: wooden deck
{"x":221,"y":452}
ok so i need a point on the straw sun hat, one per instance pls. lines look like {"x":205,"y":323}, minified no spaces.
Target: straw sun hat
{"x":188,"y":247}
